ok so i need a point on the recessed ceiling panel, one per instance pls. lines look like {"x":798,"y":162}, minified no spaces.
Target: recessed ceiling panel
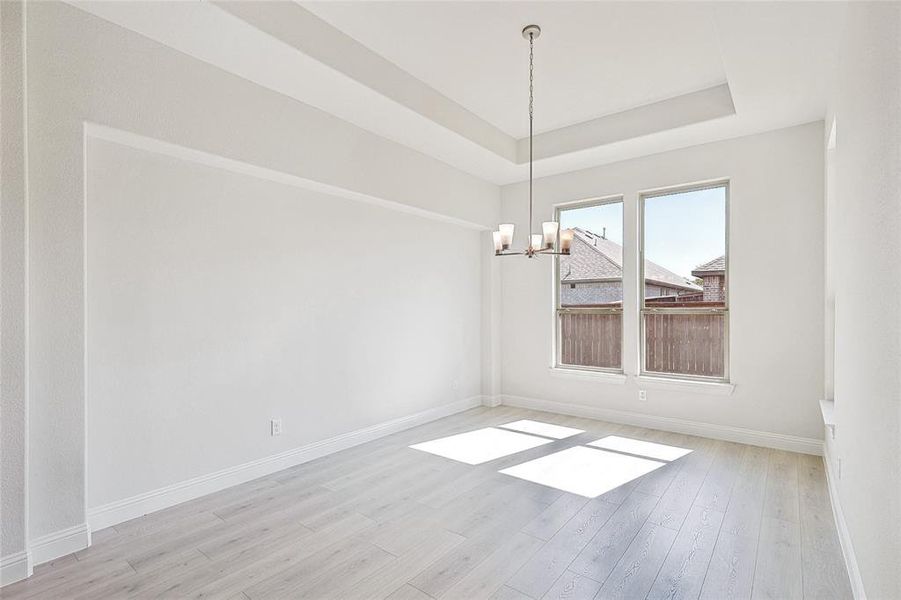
{"x":592,"y":59}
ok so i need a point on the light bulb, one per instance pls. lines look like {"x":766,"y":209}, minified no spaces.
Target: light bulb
{"x":550,"y":232}
{"x":566,"y":240}
{"x":506,"y":231}
{"x":498,"y":245}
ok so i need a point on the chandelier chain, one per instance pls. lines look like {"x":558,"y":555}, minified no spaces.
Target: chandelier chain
{"x":531,"y":74}
{"x":531,"y":118}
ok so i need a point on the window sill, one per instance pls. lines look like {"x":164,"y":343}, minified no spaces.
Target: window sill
{"x":589,"y":375}
{"x":827,"y":407}
{"x":686,"y":385}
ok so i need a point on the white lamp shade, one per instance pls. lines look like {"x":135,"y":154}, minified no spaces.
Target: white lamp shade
{"x":498,"y":246}
{"x":536,"y":243}
{"x":550,"y":232}
{"x":506,"y":231}
{"x":566,"y":240}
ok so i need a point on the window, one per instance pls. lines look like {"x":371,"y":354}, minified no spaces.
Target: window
{"x":684,"y":283}
{"x":589,"y":287}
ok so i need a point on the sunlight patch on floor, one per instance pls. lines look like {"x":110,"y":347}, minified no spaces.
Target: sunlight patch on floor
{"x":640,"y":448}
{"x":557,"y":432}
{"x":481,"y":445}
{"x":584,"y":471}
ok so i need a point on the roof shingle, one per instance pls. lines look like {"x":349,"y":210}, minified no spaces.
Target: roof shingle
{"x":718,"y":264}
{"x":594,"y":257}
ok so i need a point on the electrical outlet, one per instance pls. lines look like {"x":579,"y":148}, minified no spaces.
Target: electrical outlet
{"x":642,"y":395}
{"x":275,"y":427}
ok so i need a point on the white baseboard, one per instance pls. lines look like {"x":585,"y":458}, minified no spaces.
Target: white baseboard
{"x":491,"y":401}
{"x":154,"y":500}
{"x":15,"y":567}
{"x":844,"y":536}
{"x":59,"y":543}
{"x":710,"y":430}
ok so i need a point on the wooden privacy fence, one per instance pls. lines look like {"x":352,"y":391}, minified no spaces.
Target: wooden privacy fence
{"x":677,"y":343}
{"x":591,"y":339}
{"x":685,"y":343}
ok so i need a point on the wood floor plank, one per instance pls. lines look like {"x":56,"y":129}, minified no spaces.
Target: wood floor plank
{"x":634,"y":573}
{"x":603,"y":552}
{"x":445,"y":572}
{"x":131,"y":584}
{"x":152,"y":536}
{"x":731,"y":570}
{"x":258,"y":563}
{"x":822,"y":565}
{"x":537,"y":576}
{"x":489,"y":575}
{"x":683,"y":571}
{"x":431,"y":547}
{"x":442,"y":574}
{"x":330,"y":578}
{"x":782,"y":500}
{"x":508,"y":593}
{"x":382,"y":520}
{"x":408,"y":592}
{"x":716,"y":490}
{"x":240,"y":538}
{"x":73,"y":576}
{"x":658,"y":481}
{"x":745,"y":507}
{"x":502,"y":507}
{"x":555,"y":516}
{"x":778,"y":572}
{"x":572,"y":586}
{"x":677,"y":501}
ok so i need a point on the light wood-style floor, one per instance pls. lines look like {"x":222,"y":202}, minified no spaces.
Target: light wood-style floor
{"x":384,"y":521}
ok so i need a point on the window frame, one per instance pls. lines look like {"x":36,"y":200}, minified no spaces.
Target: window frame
{"x":643,"y":310}
{"x":557,"y":351}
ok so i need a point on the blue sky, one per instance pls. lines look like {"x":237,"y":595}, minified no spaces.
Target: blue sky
{"x":682,"y":230}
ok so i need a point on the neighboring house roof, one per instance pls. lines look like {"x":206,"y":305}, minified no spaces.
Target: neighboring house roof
{"x":717,"y":266}
{"x":593,"y":257}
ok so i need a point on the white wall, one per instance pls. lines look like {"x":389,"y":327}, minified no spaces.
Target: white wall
{"x":865,"y":457}
{"x":81,"y":68}
{"x":218,"y":300}
{"x":13,"y":219}
{"x":776,"y":284}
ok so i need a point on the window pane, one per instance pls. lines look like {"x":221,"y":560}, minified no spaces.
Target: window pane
{"x":591,"y":340}
{"x":592,"y":275}
{"x":685,"y":344}
{"x":685,"y":268}
{"x":685,"y":249}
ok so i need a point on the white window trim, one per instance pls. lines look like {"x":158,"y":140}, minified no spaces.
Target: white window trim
{"x":610,"y":375}
{"x":674,"y":380}
{"x":588,"y":374}
{"x":717,"y":388}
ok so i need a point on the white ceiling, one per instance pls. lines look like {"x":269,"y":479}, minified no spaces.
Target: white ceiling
{"x":614,"y":80}
{"x":592,"y":58}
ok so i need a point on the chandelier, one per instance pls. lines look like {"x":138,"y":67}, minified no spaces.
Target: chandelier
{"x":551,"y":240}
